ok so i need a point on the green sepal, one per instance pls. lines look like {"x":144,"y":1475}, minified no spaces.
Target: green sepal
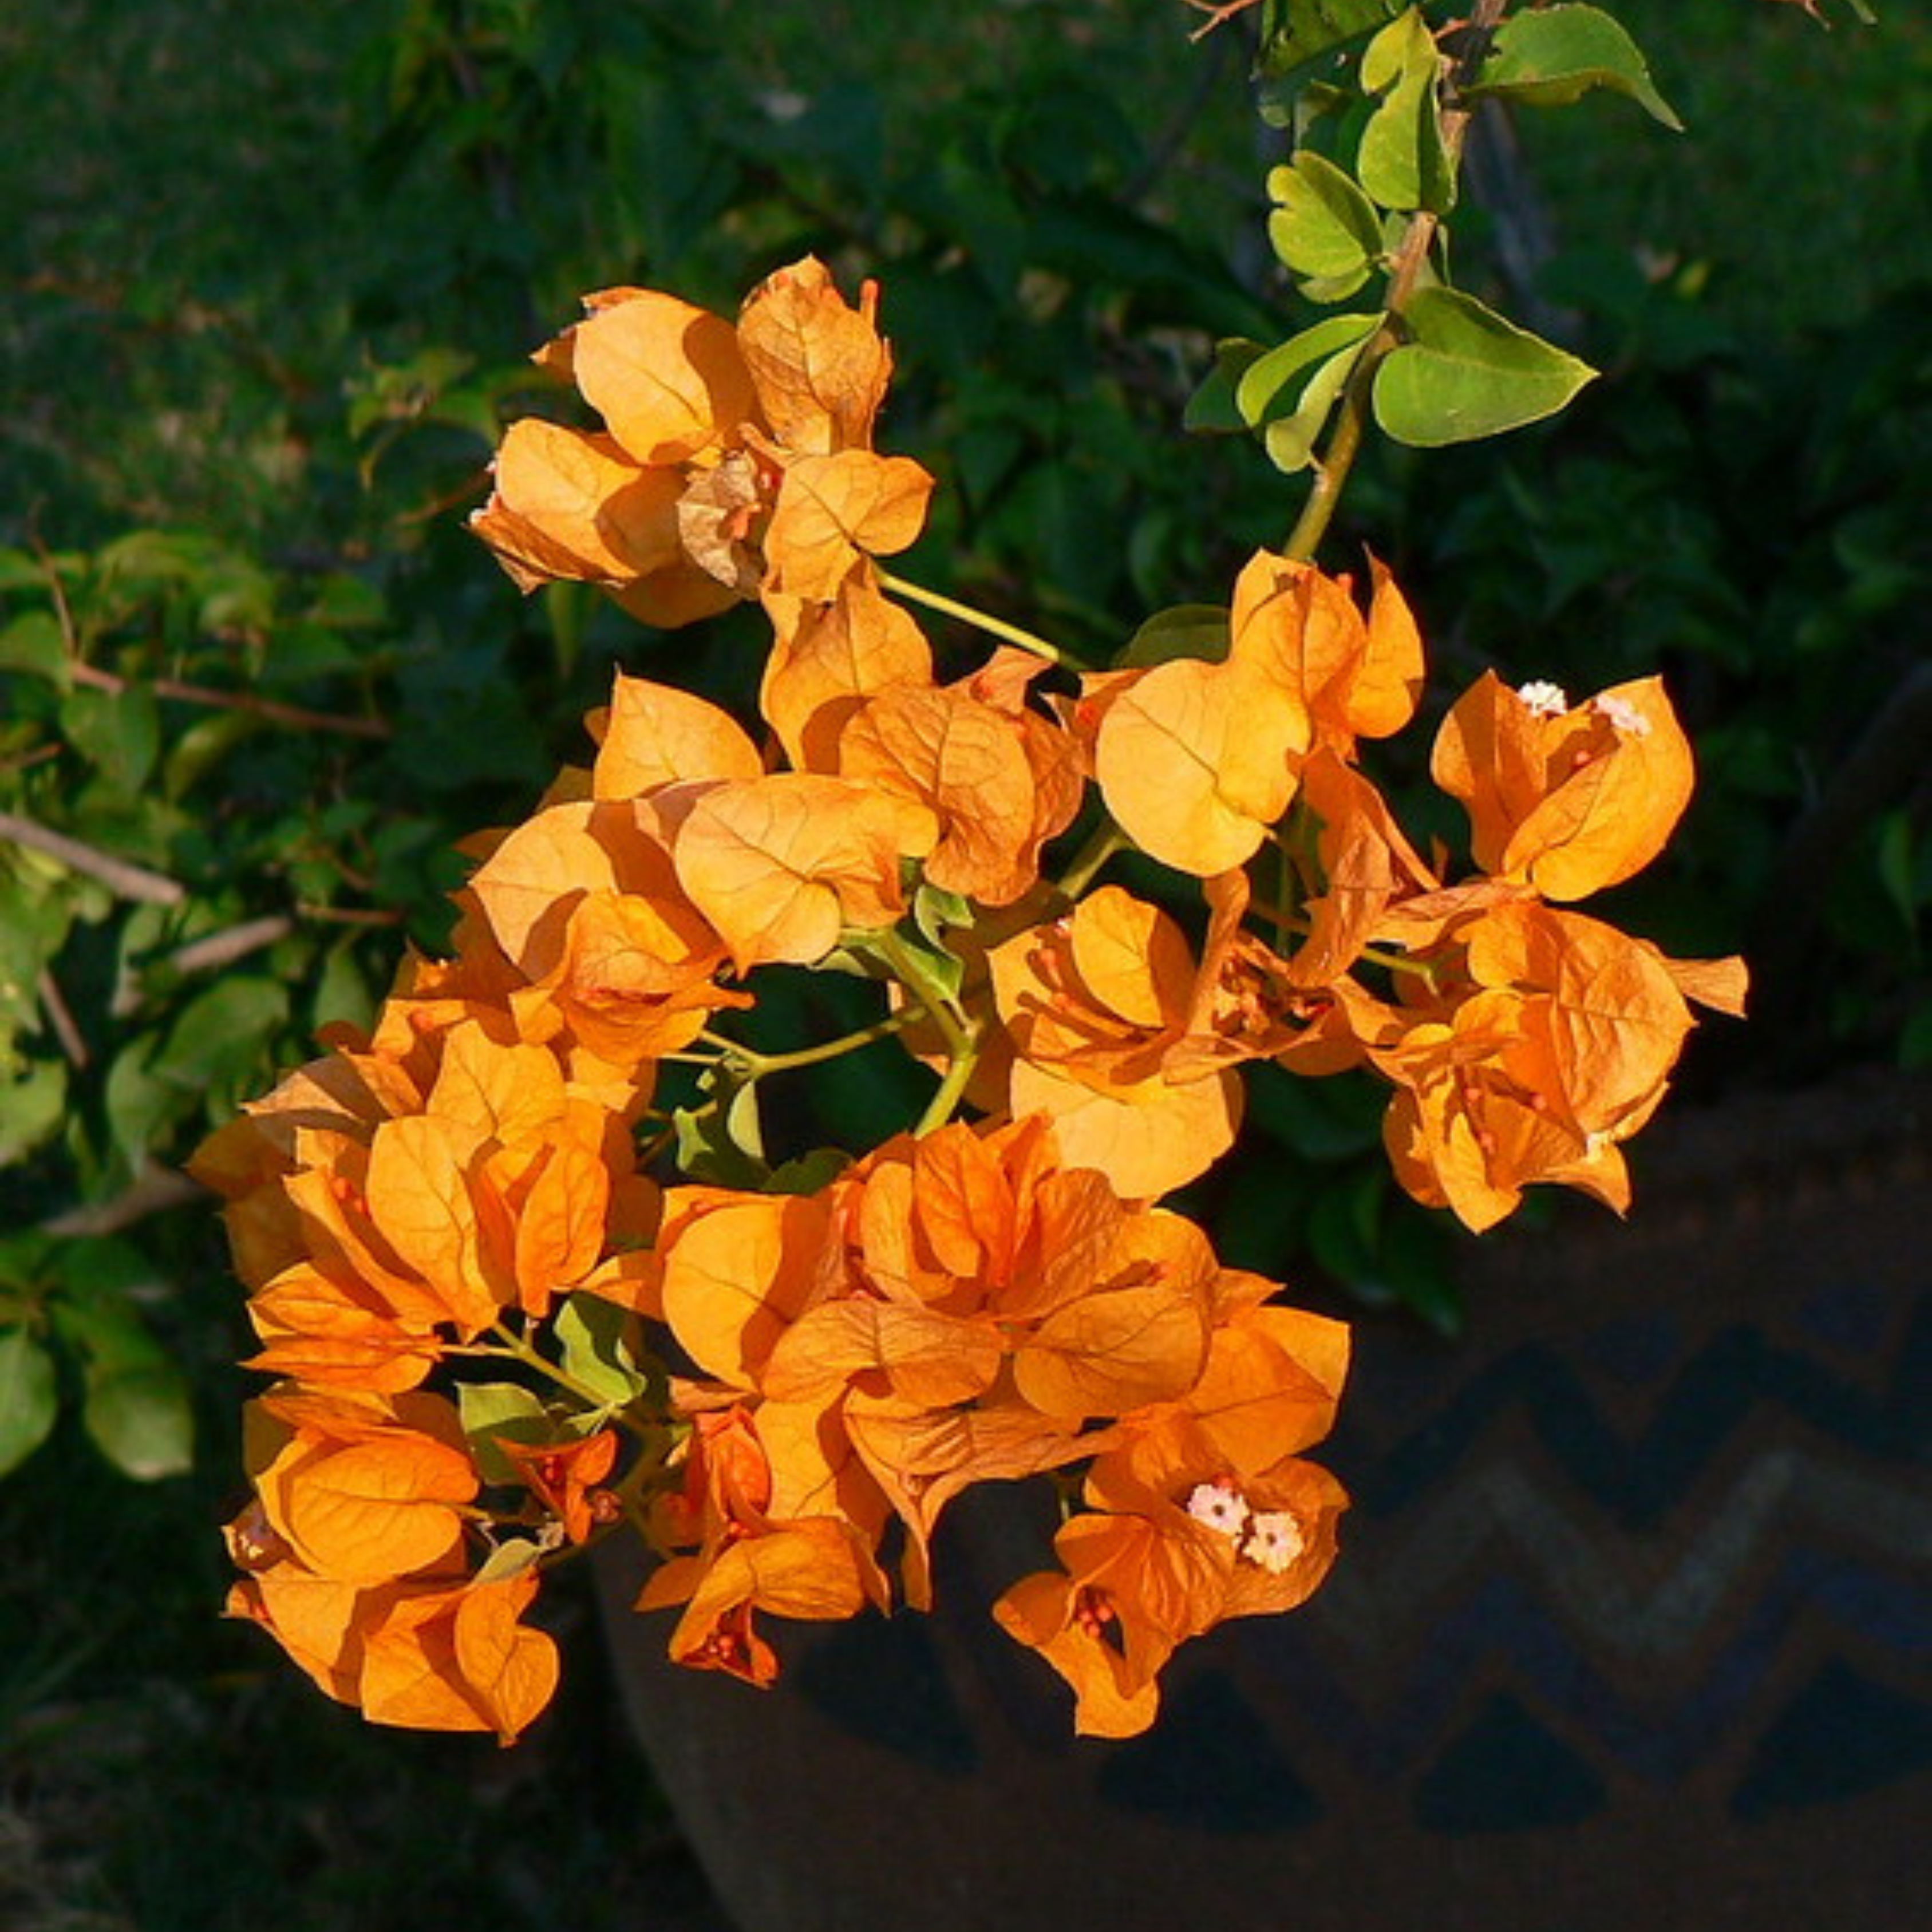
{"x":1466,"y":373}
{"x":1555,"y":55}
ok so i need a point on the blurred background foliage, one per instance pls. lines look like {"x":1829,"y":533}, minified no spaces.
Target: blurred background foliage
{"x":272,"y":277}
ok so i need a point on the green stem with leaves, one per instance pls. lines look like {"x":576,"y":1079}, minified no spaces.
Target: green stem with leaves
{"x":1411,"y":255}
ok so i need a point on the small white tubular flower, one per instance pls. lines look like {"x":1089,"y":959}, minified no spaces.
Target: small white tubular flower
{"x":1220,"y":1506}
{"x":1545,"y":699}
{"x":1623,"y":714}
{"x":1274,"y":1541}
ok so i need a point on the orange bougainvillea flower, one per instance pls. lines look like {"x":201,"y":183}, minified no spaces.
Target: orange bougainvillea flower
{"x":1350,"y":677}
{"x":1197,"y":760}
{"x":781,"y":865}
{"x":998,"y":780}
{"x":567,"y":1478}
{"x":1552,"y":1043}
{"x":828,"y":657}
{"x":733,"y":459}
{"x":1094,"y":1005}
{"x":1569,"y":798}
{"x":447,"y":1655}
{"x":1175,"y":1544}
{"x":362,"y":1488}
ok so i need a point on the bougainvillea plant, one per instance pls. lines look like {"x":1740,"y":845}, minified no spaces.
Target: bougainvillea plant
{"x":517,"y":1259}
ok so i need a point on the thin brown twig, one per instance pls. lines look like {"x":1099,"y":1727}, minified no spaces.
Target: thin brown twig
{"x":326,"y":915}
{"x":124,"y":879}
{"x":299,"y":716}
{"x":60,"y":1017}
{"x":231,"y":943}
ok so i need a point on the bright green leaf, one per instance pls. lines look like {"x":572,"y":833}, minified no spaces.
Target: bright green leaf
{"x":1467,"y":373}
{"x":600,"y":1345}
{"x":1551,"y":56}
{"x":1326,"y":229}
{"x":1297,"y":33}
{"x":1402,"y":162}
{"x":1274,"y":386}
{"x":29,"y":1399}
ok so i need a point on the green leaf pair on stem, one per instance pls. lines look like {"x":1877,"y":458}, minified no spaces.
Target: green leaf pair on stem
{"x":1432,"y":365}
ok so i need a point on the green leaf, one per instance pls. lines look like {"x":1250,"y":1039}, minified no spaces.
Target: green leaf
{"x":141,"y":1420}
{"x":809,"y":1172}
{"x":1210,"y":410}
{"x":707,"y":1148}
{"x":219,"y":1039}
{"x":1467,"y":373}
{"x":1402,"y":162}
{"x":1181,"y":631}
{"x":1326,"y":229}
{"x":600,"y":1343}
{"x":29,"y":1400}
{"x":1290,"y":440}
{"x":135,"y":1403}
{"x":935,"y":912}
{"x":32,"y":1107}
{"x":1297,"y":33}
{"x":32,"y":643}
{"x":139,"y":1106}
{"x":1274,"y":386}
{"x":117,"y":732}
{"x":1290,"y":393}
{"x":491,"y":1410}
{"x":1554,"y":55}
{"x":510,"y":1558}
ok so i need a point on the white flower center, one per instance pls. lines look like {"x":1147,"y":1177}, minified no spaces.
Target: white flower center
{"x":1624,"y":714}
{"x":1274,"y":1541}
{"x":1220,"y":1506}
{"x":1545,"y":699}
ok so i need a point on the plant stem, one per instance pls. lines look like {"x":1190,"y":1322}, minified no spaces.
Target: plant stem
{"x":760,"y":1064}
{"x":1285,"y":921}
{"x":961,"y":1034}
{"x":519,"y":1349}
{"x":1345,"y":442}
{"x":1105,"y":840}
{"x":994,"y":627}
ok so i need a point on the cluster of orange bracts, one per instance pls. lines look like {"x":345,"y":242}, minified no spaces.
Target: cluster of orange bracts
{"x":781,"y":1391}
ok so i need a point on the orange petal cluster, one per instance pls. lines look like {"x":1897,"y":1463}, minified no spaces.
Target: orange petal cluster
{"x":521,"y":1266}
{"x":959,"y":1308}
{"x":736,"y":459}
